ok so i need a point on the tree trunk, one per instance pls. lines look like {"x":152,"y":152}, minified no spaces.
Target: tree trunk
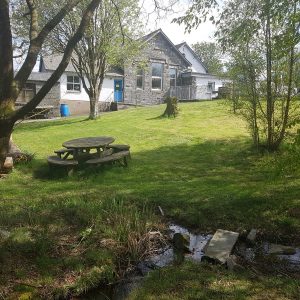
{"x":291,"y":66}
{"x":6,"y":128}
{"x":94,"y":105}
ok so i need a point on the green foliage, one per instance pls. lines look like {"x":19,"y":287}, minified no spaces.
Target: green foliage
{"x":260,"y":38}
{"x":210,"y":54}
{"x":172,"y":109}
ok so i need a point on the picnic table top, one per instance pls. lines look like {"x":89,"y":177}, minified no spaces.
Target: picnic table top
{"x":89,"y":142}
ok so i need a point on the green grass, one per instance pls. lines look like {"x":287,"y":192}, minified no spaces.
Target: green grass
{"x":198,"y":167}
{"x":206,"y":282}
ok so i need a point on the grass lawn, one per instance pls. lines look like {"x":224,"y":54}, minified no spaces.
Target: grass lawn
{"x":198,"y":167}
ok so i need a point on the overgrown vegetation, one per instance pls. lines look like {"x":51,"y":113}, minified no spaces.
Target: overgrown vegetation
{"x":199,"y":167}
{"x":79,"y":244}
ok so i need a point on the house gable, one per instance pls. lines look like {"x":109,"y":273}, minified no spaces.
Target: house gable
{"x":197,"y":65}
{"x":161,"y":48}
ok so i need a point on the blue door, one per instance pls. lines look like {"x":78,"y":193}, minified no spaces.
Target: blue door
{"x":118,"y":90}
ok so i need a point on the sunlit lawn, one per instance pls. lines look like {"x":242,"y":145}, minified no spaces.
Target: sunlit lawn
{"x":198,"y":167}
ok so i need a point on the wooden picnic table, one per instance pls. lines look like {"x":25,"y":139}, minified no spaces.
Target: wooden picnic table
{"x":82,"y":145}
{"x":81,"y":148}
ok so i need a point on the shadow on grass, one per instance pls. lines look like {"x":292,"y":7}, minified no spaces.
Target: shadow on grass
{"x":205,"y":186}
{"x":160,"y":117}
{"x":194,"y":281}
{"x":49,"y":123}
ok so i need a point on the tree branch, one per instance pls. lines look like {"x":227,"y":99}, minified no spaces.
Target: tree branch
{"x":63,"y":64}
{"x":36,"y":45}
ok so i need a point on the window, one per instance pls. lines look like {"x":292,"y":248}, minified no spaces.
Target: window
{"x":157,"y":72}
{"x":173,"y":76}
{"x":140,"y":78}
{"x":211,"y":86}
{"x":73,"y":83}
{"x":28,"y":92}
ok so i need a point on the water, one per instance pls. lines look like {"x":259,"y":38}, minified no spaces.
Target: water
{"x":261,"y":250}
{"x":196,"y":248}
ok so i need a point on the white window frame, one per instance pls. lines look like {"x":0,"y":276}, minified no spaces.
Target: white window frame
{"x":157,"y":77}
{"x":141,"y":76}
{"x":212,"y":84}
{"x":175,"y":79}
{"x":73,"y":84}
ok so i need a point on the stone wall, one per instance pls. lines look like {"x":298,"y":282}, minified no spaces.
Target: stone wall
{"x":158,"y":49}
{"x":51,"y":99}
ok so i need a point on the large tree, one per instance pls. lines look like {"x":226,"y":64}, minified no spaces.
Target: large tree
{"x":265,"y":31}
{"x":210,"y":54}
{"x":109,"y":39}
{"x":11,"y":84}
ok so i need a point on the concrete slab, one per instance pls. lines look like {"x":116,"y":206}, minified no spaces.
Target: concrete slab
{"x":221,"y":245}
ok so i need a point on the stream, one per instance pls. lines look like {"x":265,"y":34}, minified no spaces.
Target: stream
{"x":195,"y":252}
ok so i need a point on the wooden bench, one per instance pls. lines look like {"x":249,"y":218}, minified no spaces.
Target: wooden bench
{"x":119,"y":147}
{"x":69,"y":164}
{"x":115,"y":157}
{"x":61,"y":152}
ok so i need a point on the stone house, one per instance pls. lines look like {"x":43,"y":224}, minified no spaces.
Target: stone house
{"x":164,"y":69}
{"x":161,"y":69}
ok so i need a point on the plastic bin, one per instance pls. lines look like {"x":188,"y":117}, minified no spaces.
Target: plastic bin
{"x":64,"y":110}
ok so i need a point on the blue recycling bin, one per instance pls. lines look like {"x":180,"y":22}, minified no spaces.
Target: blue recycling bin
{"x":64,"y":110}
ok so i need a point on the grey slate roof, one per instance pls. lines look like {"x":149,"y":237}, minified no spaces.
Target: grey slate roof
{"x":40,"y":76}
{"x":51,"y":62}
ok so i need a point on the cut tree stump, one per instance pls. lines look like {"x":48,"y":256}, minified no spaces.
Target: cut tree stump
{"x":221,"y":245}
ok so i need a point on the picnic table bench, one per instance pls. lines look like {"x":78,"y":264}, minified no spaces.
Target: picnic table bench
{"x":115,"y":157}
{"x":81,"y":148}
{"x":69,"y":164}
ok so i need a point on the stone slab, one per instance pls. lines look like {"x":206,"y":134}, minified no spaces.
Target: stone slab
{"x":221,"y":245}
